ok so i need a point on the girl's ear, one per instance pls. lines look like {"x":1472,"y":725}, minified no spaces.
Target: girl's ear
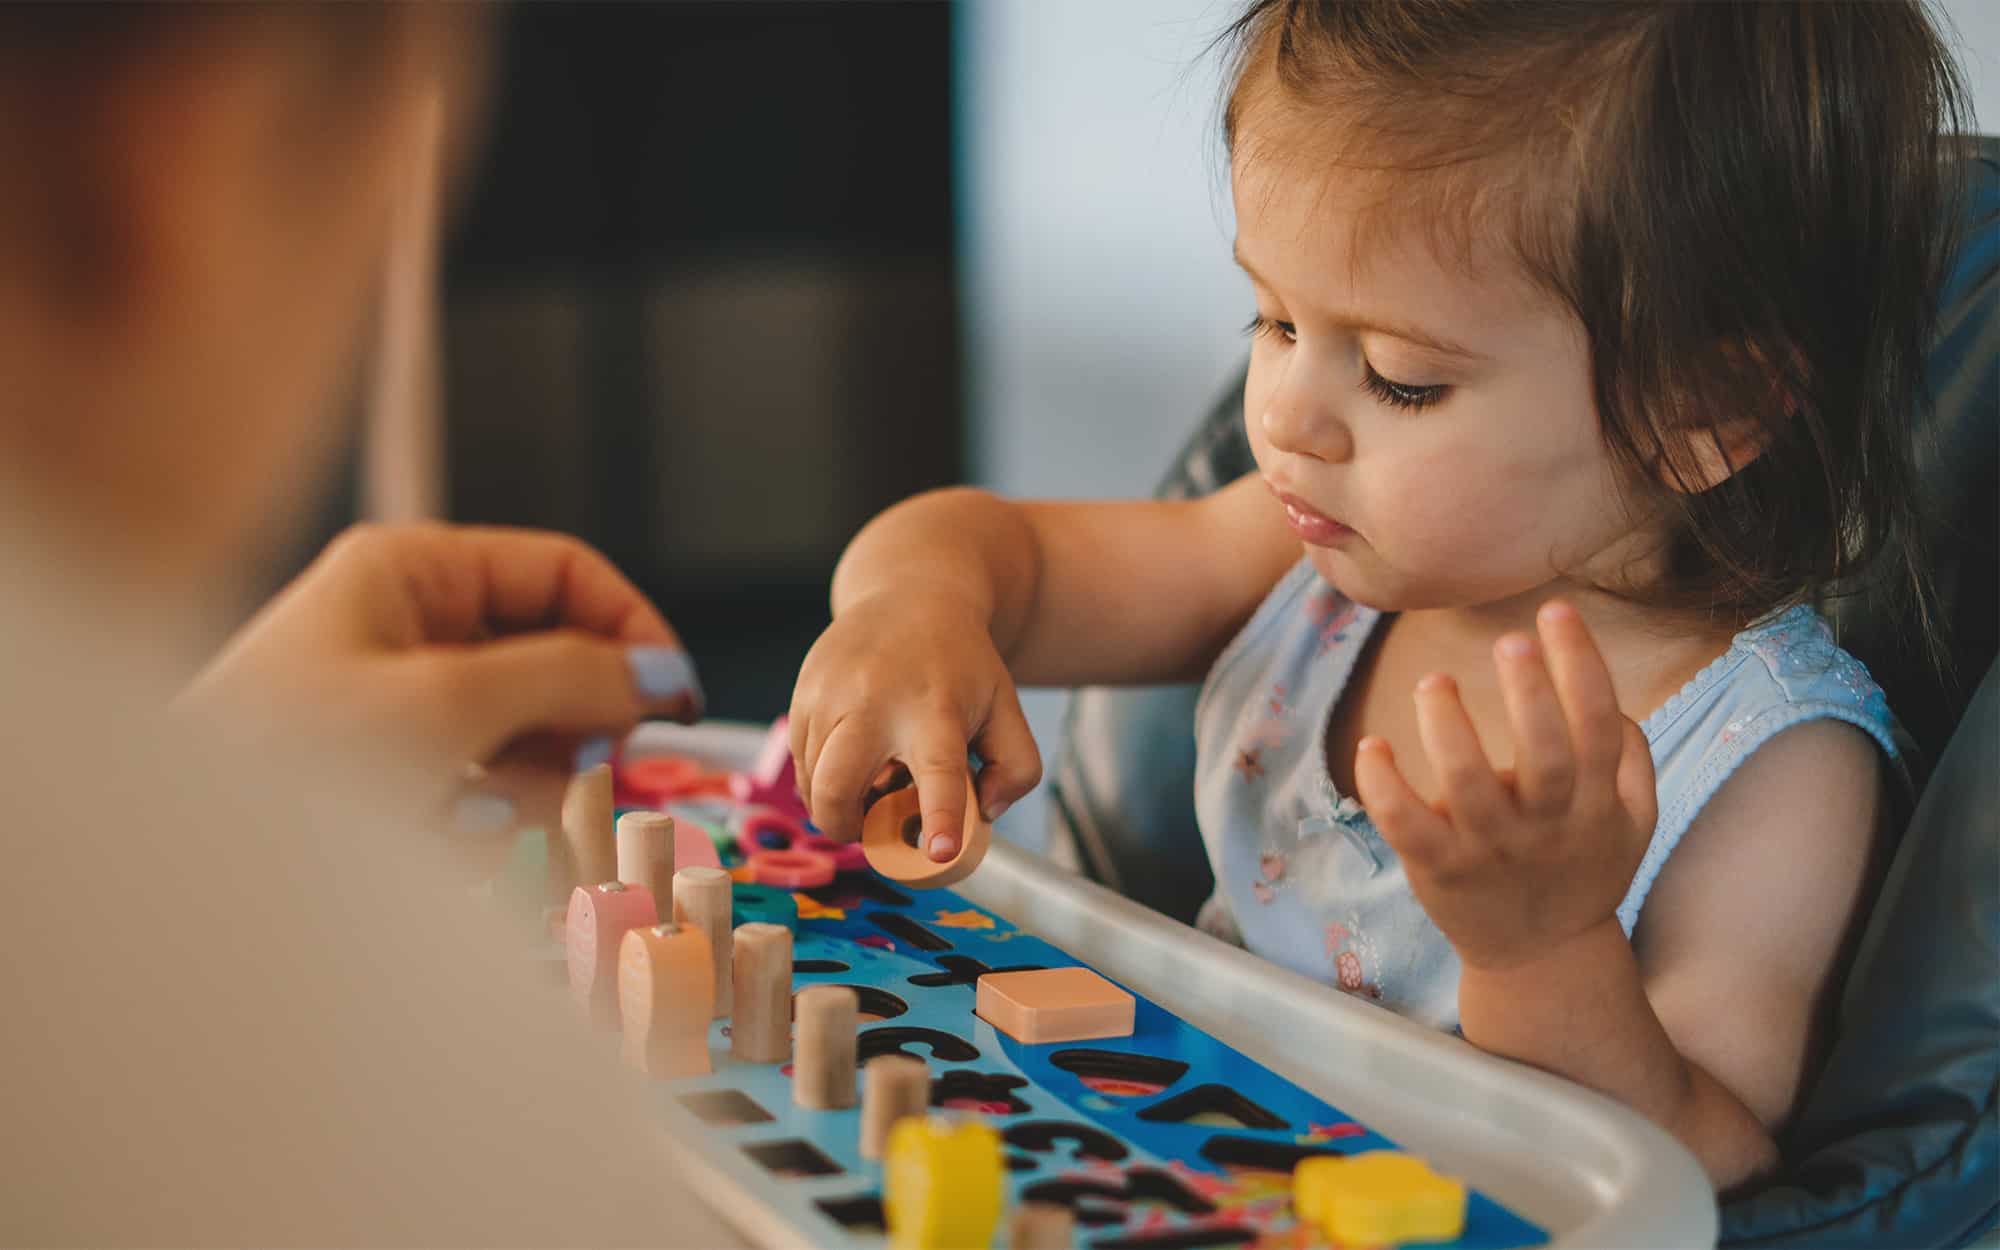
{"x":1710,"y":454}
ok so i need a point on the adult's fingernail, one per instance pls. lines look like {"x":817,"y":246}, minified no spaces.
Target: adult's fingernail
{"x":942,"y":847}
{"x":998,"y":810}
{"x":662,"y":673}
{"x":482,"y":814}
{"x":593,"y":752}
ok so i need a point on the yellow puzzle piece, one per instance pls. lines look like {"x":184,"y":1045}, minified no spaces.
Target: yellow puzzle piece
{"x":941,"y":1184}
{"x":1379,"y":1198}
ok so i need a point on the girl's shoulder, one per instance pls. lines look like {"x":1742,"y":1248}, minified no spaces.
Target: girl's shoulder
{"x":1782,"y":669}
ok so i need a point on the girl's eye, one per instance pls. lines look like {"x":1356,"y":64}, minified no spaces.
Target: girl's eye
{"x":1400,"y":394}
{"x":1261,"y":326}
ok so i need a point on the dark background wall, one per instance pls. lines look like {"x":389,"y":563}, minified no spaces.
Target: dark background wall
{"x":700,"y":303}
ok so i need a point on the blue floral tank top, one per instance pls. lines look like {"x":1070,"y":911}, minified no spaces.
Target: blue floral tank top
{"x":1305,"y":880}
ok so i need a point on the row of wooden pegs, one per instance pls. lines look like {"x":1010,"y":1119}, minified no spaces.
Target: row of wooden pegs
{"x":663,"y":973}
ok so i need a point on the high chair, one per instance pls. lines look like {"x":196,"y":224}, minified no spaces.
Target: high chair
{"x":1896,"y":1142}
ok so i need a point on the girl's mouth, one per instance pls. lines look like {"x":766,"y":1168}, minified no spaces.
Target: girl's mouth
{"x":1313,"y":527}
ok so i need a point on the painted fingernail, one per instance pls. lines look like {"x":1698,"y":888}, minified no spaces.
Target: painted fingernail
{"x":1516,"y":646}
{"x":942,"y":847}
{"x":593,"y":752}
{"x":662,"y":673}
{"x":482,"y":814}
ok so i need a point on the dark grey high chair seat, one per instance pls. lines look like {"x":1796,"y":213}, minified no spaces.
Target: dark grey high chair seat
{"x":1897,"y":1144}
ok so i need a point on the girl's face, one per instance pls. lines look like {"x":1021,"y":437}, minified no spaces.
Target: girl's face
{"x":1431,"y":430}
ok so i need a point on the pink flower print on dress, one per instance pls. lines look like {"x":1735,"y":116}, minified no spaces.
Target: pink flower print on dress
{"x":1272,"y":865}
{"x":1247,"y":764}
{"x":1336,"y":934}
{"x":1347,"y":969}
{"x":1262,"y":891}
{"x":1332,"y":612}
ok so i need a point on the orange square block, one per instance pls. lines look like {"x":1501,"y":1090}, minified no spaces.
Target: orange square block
{"x":1053,"y":1005}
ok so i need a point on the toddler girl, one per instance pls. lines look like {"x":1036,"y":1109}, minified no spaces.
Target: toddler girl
{"x":1587,"y":344}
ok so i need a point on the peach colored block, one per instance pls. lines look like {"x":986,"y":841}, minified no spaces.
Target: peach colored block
{"x":599,"y":917}
{"x":1053,"y":1005}
{"x":888,"y":836}
{"x":666,"y":994}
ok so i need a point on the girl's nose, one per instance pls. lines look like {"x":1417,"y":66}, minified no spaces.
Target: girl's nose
{"x":1299,"y":421}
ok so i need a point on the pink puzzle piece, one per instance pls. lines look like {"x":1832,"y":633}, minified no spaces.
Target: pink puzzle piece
{"x":770,"y":781}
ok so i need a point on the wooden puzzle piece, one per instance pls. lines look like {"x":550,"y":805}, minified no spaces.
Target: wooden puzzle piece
{"x":942,"y":1184}
{"x":770,"y":780}
{"x":586,"y":826}
{"x":666,"y":980}
{"x":1054,"y":1005}
{"x":893,"y":1087}
{"x":646,"y":852}
{"x":703,"y":898}
{"x":889,"y":839}
{"x":760,"y":1031}
{"x":823,"y":1071}
{"x":1380,"y":1198}
{"x":598,"y":919}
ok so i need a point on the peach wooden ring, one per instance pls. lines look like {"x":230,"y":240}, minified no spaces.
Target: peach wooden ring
{"x":889,"y":830}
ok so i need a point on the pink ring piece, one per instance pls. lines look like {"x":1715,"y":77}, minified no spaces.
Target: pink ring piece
{"x":847,"y":856}
{"x":792,"y":870}
{"x":760,"y":819}
{"x":659,"y":777}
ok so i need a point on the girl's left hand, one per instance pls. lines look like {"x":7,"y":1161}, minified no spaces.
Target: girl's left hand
{"x":1511,"y":864}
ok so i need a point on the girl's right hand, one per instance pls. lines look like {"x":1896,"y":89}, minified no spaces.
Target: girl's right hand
{"x":911,"y":679}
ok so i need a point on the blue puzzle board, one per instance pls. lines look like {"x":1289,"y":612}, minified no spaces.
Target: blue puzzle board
{"x":1163,"y":1139}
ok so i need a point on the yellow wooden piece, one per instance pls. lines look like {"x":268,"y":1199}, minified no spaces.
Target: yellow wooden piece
{"x":1380,"y":1198}
{"x":941,"y":1184}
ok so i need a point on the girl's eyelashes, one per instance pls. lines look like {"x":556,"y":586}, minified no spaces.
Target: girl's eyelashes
{"x":1395,"y":394}
{"x":1399,"y":394}
{"x":1260,"y":326}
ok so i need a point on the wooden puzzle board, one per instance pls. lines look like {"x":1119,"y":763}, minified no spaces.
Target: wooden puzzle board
{"x":1180,"y":1135}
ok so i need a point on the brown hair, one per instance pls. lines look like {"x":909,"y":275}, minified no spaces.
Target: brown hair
{"x":1745,"y":206}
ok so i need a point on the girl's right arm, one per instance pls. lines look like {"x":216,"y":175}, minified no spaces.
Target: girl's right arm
{"x":945,"y":601}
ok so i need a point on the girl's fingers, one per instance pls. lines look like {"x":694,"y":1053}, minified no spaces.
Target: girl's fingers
{"x":1006,"y":747}
{"x":1590,"y":704}
{"x":1412,"y":827}
{"x":1470,"y":790}
{"x":1544,"y":767}
{"x":845,"y":764}
{"x":938,"y":769}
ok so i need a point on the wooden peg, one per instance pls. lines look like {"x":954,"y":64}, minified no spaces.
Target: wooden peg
{"x":665,"y":980}
{"x":760,"y":1026}
{"x":703,"y":899}
{"x":646,"y":857}
{"x":1041,"y":1226}
{"x":586,"y":826}
{"x":892,"y":1088}
{"x":560,"y":879}
{"x":599,"y":917}
{"x":823,"y":1062}
{"x":889,"y":838}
